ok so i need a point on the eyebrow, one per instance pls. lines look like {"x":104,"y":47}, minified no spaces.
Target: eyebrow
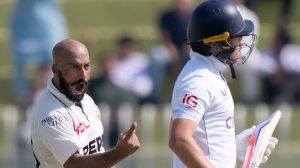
{"x":71,"y":63}
{"x":77,"y":64}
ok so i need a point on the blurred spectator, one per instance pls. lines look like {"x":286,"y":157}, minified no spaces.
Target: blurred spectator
{"x":250,"y":84}
{"x":36,"y":25}
{"x":280,"y":69}
{"x":163,"y":58}
{"x":169,"y":56}
{"x":173,"y":24}
{"x":286,"y":10}
{"x":290,"y":61}
{"x":38,"y":84}
{"x":131,"y":70}
{"x":271,"y":70}
{"x":102,"y":90}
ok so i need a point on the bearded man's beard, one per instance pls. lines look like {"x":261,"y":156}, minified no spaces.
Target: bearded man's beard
{"x":66,"y":88}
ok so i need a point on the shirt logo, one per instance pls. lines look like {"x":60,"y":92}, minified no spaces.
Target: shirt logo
{"x":94,"y":146}
{"x":54,"y":120}
{"x":81,"y":128}
{"x":190,"y":100}
{"x":224,"y":93}
{"x":229,"y":122}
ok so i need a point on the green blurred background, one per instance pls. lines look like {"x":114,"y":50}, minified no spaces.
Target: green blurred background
{"x":101,"y":22}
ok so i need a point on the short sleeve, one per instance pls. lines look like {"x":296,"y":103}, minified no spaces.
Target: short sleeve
{"x":191,"y":101}
{"x":58,"y":135}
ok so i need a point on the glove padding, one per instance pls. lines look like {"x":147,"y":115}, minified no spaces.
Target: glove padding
{"x":271,"y":146}
{"x":242,"y":140}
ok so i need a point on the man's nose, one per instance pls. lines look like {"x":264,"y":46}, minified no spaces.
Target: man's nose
{"x":83,"y":73}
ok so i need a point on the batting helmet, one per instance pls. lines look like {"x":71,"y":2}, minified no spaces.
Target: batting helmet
{"x":216,"y":17}
{"x":215,"y":21}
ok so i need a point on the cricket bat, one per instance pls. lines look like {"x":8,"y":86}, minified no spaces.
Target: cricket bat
{"x":259,"y":140}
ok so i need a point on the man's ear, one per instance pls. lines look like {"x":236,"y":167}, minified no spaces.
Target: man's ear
{"x":54,"y":69}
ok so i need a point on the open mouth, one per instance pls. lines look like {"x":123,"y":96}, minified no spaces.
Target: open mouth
{"x":79,"y":88}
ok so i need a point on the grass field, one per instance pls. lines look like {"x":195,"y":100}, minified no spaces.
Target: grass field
{"x":153,"y":134}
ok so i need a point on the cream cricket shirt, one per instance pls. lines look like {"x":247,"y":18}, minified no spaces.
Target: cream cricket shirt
{"x":60,"y":128}
{"x":201,"y":95}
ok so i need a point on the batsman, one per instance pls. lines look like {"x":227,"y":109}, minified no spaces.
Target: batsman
{"x":202,"y":131}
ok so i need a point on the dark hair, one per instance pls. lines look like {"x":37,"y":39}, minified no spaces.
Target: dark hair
{"x":200,"y":48}
{"x":283,"y":34}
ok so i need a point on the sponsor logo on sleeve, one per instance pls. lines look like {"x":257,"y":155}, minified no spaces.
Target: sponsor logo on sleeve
{"x":54,"y":120}
{"x":190,"y":100}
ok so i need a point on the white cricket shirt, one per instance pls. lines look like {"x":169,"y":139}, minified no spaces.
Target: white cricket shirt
{"x":59,"y":128}
{"x":201,"y":95}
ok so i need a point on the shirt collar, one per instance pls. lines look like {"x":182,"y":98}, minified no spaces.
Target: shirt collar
{"x":53,"y":90}
{"x":214,"y":64}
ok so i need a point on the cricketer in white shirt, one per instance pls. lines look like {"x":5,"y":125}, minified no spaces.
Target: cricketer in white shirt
{"x":60,"y":128}
{"x":201,"y":94}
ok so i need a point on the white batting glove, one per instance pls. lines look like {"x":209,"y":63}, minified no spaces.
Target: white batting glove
{"x":242,"y":140}
{"x":271,"y":146}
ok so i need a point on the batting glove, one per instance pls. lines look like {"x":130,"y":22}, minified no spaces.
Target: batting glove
{"x":271,"y":146}
{"x":242,"y":141}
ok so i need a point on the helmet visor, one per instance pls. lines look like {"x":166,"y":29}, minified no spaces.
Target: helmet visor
{"x":246,"y":47}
